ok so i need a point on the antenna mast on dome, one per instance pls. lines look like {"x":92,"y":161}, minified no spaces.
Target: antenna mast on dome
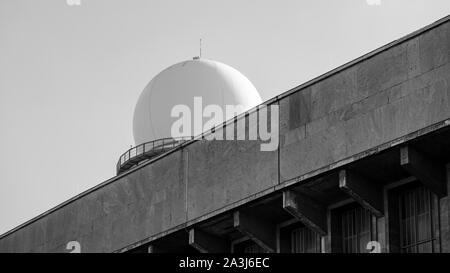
{"x":199,"y":56}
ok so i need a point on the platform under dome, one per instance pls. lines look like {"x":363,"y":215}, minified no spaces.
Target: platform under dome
{"x":215,"y":82}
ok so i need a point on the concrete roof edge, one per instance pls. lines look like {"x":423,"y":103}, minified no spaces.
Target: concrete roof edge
{"x":364,"y":57}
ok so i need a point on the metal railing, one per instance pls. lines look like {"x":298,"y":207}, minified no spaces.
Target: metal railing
{"x":145,"y":151}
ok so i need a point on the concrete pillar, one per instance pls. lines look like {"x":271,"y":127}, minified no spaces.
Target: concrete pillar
{"x":444,"y":204}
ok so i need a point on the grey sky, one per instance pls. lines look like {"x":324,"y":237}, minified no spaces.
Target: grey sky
{"x":71,"y":75}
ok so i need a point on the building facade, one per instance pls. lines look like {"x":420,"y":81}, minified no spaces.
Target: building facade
{"x":362,"y":166}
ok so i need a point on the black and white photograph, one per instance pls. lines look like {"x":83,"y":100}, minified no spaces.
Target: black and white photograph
{"x":225,"y":135}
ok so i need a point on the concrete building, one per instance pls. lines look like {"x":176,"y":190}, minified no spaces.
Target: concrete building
{"x":363,"y":157}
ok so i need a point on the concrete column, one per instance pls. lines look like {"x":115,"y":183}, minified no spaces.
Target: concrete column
{"x":444,"y":204}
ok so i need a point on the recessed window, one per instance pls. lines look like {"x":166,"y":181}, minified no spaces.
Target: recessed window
{"x":416,"y":221}
{"x":304,"y":240}
{"x":295,"y":237}
{"x":356,"y":229}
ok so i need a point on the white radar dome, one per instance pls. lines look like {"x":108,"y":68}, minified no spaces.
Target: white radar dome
{"x":214,"y":82}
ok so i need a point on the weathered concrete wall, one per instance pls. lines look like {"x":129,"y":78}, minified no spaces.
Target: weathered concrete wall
{"x":223,"y":172}
{"x":130,"y":209}
{"x":395,"y":92}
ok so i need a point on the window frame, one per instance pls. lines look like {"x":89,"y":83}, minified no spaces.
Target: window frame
{"x":392,"y":208}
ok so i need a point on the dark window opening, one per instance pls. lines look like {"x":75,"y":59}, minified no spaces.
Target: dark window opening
{"x":304,"y":240}
{"x":416,"y":211}
{"x":297,"y":238}
{"x":356,"y":229}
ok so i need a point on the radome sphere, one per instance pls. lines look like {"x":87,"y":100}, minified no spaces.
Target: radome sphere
{"x":215,"y":82}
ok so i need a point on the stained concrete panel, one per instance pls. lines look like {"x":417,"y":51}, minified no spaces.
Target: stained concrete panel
{"x":389,"y":95}
{"x":223,"y":172}
{"x":132,"y":208}
{"x":383,"y":70}
{"x":334,"y":92}
{"x":434,"y":48}
{"x":300,"y":110}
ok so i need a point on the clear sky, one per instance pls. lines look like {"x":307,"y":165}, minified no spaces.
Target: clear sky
{"x":71,"y":75}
